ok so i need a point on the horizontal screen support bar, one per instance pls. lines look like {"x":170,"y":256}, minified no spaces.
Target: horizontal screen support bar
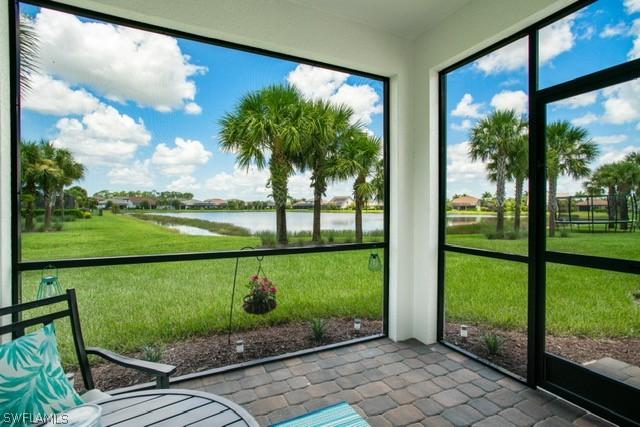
{"x":193,"y":256}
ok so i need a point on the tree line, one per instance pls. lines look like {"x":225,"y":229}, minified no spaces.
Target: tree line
{"x":45,"y":172}
{"x":275,"y":128}
{"x":501,"y":141}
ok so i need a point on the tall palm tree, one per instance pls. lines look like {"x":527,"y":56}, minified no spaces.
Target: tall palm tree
{"x":491,"y":141}
{"x":357,"y":158}
{"x":265,"y":130}
{"x":569,"y":152}
{"x":327,"y":124}
{"x":48,"y":176}
{"x":518,"y":171}
{"x":378,"y":180}
{"x":30,"y":156}
{"x":71,"y":171}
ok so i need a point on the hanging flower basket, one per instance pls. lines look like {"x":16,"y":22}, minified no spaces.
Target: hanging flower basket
{"x":262,"y":295}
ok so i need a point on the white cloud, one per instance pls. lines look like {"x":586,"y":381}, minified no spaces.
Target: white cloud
{"x":362,"y":99}
{"x":632,"y":6}
{"x":121,"y":63}
{"x":460,"y":168}
{"x":619,"y":29}
{"x":634,"y":53}
{"x":610,"y":139}
{"x":585,"y":120}
{"x":320,"y":83}
{"x":184,"y":183}
{"x":55,"y":97}
{"x":137,"y":175}
{"x":466,"y":124}
{"x":622,"y":104}
{"x":511,"y":100}
{"x":182,"y":159}
{"x":613,"y":154}
{"x":315,"y":82}
{"x":192,"y":108}
{"x":555,"y":39}
{"x":103,"y":136}
{"x":578,"y":101}
{"x":509,"y":58}
{"x":466,"y":108}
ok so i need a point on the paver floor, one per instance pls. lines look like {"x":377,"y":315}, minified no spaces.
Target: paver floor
{"x":393,"y":384}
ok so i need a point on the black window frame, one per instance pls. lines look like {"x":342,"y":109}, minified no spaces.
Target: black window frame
{"x":576,"y":383}
{"x":18,"y":266}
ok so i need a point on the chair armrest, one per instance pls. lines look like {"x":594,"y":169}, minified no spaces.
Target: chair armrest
{"x":160,"y":370}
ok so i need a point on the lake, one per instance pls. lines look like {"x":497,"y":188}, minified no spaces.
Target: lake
{"x":296,"y":221}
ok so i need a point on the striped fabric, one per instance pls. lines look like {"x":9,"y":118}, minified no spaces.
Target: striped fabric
{"x":338,"y":415}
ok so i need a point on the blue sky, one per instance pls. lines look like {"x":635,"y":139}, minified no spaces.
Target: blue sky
{"x":141,"y":110}
{"x":604,"y":34}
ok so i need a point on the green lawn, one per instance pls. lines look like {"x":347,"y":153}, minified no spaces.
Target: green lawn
{"x":127,"y":307}
{"x":580,"y":301}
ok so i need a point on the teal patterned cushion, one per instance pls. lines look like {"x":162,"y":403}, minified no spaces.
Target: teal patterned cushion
{"x":32,"y":381}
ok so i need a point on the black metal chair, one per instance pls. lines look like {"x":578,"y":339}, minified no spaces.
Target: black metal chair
{"x":17,"y":329}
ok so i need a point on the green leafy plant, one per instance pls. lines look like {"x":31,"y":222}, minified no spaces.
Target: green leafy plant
{"x":318,"y":329}
{"x":152,"y":353}
{"x":262,"y":295}
{"x":564,"y":233}
{"x":493,"y":343}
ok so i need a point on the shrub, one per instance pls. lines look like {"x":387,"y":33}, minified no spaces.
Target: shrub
{"x":318,"y":329}
{"x":564,"y":234}
{"x":493,"y":343}
{"x":152,"y":353}
{"x":267,"y":238}
{"x":57,"y":226}
{"x":71,"y":213}
{"x":86,"y":215}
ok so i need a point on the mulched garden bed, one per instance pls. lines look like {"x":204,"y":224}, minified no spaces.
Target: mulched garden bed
{"x":202,"y":353}
{"x":514,"y":351}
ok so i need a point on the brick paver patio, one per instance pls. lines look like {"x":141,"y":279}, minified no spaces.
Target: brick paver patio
{"x":393,"y":384}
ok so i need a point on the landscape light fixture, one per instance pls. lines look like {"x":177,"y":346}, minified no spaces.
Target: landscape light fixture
{"x":240,"y":346}
{"x":357,"y":325}
{"x":464,"y":331}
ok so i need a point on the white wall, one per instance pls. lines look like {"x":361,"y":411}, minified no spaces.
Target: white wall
{"x":473,"y":27}
{"x":5,"y":163}
{"x":289,"y":28}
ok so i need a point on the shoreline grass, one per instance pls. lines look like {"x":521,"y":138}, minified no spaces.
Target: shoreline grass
{"x":223,"y":228}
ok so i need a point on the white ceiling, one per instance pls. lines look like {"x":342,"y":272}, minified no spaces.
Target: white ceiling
{"x":403,"y":18}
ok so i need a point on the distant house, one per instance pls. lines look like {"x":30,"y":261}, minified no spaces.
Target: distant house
{"x":216,"y":203}
{"x":466,"y":203}
{"x":303,"y":204}
{"x":340,"y":202}
{"x":143,"y":202}
{"x":120,"y":202}
{"x":596,"y":204}
{"x":193,"y":204}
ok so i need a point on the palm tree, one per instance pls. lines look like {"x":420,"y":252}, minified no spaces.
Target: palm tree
{"x":378,"y":180}
{"x":491,"y":141}
{"x":518,"y":171}
{"x":71,"y":171}
{"x":30,"y":156}
{"x":28,"y":39}
{"x":48,"y":176}
{"x":357,"y":158}
{"x":569,"y":152}
{"x":327,"y":125}
{"x":265,"y":130}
